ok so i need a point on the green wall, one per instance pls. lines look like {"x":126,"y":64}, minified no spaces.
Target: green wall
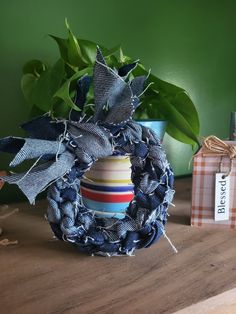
{"x":191,"y":43}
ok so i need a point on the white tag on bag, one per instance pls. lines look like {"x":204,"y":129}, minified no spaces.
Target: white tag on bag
{"x":222,"y":189}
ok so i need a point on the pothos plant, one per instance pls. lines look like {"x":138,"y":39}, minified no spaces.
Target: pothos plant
{"x":52,"y":88}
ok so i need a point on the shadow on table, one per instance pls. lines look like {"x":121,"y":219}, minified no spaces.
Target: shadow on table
{"x":179,"y":219}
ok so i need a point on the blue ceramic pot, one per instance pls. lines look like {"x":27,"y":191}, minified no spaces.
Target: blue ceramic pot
{"x":158,"y":126}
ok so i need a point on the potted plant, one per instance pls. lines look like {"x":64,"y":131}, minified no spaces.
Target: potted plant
{"x":90,"y":96}
{"x":52,"y":88}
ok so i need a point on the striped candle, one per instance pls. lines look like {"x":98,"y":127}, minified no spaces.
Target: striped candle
{"x":107,"y":188}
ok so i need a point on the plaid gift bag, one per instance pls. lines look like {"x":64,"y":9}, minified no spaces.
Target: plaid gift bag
{"x":215,"y":156}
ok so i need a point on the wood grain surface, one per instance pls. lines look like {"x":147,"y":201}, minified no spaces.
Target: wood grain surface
{"x":42,"y":275}
{"x":223,"y":303}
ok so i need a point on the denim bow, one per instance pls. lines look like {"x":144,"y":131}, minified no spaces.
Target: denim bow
{"x":84,"y":141}
{"x":62,"y":142}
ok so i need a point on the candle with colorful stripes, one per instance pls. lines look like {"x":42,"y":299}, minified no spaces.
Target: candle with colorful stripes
{"x":107,"y":188}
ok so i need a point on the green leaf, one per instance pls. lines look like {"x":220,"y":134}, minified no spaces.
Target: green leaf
{"x":176,"y":121}
{"x":47,"y":85}
{"x":70,"y":49}
{"x":35,"y":67}
{"x":35,"y":112}
{"x":74,"y":53}
{"x":178,"y":135}
{"x":39,"y":91}
{"x":121,"y":55}
{"x":28,"y":81}
{"x":148,"y":109}
{"x":64,"y":92}
{"x":173,"y":104}
{"x":107,"y":52}
{"x":186,"y":108}
{"x":124,"y":59}
{"x":61,"y":109}
{"x":112,"y":61}
{"x":63,"y":47}
{"x":89,"y":109}
{"x":88,"y":50}
{"x":165,"y":88}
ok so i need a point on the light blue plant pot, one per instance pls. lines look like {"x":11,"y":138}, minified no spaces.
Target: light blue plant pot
{"x":158,"y":126}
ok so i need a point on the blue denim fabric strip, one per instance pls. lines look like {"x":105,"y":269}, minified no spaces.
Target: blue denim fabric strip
{"x":35,"y":181}
{"x":112,"y":91}
{"x":34,"y":148}
{"x":137,"y":85}
{"x":44,"y":128}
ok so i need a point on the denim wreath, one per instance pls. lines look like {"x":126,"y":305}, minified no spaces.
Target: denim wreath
{"x":65,"y":149}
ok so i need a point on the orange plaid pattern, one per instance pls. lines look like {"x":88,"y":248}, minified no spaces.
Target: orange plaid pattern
{"x":203,"y":190}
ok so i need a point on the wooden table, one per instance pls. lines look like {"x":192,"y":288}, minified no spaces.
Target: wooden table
{"x":43,"y":275}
